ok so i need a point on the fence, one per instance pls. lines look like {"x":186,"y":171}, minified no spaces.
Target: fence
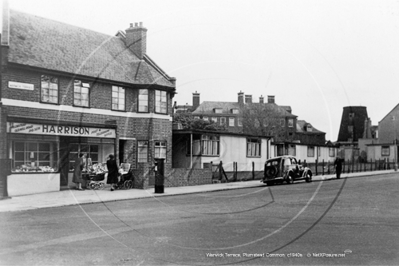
{"x":327,"y":168}
{"x":249,"y":173}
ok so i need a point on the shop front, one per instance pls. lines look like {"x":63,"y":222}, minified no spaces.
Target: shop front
{"x":43,"y":155}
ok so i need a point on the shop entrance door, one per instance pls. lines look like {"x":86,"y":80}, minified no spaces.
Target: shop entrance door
{"x":64,"y":162}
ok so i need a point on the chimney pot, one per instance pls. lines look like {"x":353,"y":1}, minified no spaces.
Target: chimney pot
{"x":270,"y":99}
{"x":241,"y":97}
{"x":248,"y":98}
{"x":136,"y":40}
{"x":196,"y":100}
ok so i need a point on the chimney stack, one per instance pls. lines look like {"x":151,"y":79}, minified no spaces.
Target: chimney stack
{"x":248,"y":98}
{"x":196,"y":100}
{"x":241,"y":97}
{"x":261,"y":99}
{"x":136,"y":39}
{"x":270,"y":99}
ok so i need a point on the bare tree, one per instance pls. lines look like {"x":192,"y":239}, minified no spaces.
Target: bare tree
{"x":264,"y":119}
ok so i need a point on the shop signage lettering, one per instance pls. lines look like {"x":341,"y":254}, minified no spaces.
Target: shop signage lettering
{"x":39,"y":129}
{"x":20,"y":86}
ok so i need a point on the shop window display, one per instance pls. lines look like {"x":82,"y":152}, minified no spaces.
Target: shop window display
{"x":34,"y":156}
{"x":90,"y":150}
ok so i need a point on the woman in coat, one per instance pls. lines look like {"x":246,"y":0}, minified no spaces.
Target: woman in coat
{"x":112,"y":171}
{"x":77,"y":173}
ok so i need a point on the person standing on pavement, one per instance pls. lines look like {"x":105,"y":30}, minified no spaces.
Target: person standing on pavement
{"x":77,"y":173}
{"x":338,"y":167}
{"x":112,"y":171}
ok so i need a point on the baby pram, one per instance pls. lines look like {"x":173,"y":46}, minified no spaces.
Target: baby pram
{"x":126,"y":177}
{"x":95,"y":177}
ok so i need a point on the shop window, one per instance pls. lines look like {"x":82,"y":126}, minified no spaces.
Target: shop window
{"x":253,"y":147}
{"x":81,"y":93}
{"x":310,"y":151}
{"x":160,"y":149}
{"x":385,"y":151}
{"x":49,"y":89}
{"x":118,"y":98}
{"x":161,"y":102}
{"x":142,"y":151}
{"x":34,"y":156}
{"x":231,"y":121}
{"x":92,"y":154}
{"x":143,"y":100}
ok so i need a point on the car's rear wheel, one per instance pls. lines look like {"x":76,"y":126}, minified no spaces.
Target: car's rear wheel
{"x":308,"y":177}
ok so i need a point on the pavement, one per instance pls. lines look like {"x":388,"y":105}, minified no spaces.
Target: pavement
{"x":77,"y":197}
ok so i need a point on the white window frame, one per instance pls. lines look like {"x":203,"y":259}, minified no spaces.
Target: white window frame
{"x":143,"y":100}
{"x":81,"y":93}
{"x":160,"y":149}
{"x":232,"y":121}
{"x":161,"y":102}
{"x":118,"y":98}
{"x":142,"y":151}
{"x":254,"y":147}
{"x":49,"y":89}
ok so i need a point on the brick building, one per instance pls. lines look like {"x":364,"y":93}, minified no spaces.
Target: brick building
{"x":65,"y":90}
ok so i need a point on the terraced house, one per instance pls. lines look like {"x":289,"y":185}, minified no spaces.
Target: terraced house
{"x":65,"y":90}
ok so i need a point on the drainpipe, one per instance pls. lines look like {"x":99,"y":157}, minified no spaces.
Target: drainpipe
{"x":191,"y":154}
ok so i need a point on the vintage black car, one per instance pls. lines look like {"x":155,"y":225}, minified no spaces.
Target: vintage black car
{"x":285,"y":168}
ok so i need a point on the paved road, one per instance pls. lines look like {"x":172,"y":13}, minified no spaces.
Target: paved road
{"x":350,"y":221}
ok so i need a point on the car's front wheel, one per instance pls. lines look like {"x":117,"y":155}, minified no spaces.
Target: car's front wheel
{"x":289,"y":179}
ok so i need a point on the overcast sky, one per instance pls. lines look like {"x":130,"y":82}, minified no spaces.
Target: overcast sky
{"x":315,"y":56}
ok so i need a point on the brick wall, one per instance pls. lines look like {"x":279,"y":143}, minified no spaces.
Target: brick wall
{"x":133,"y":129}
{"x":178,"y":177}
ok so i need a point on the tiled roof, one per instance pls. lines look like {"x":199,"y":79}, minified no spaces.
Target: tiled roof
{"x":207,"y":107}
{"x":300,"y":127}
{"x":48,"y":44}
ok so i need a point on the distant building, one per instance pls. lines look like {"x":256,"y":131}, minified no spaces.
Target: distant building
{"x":245,"y":117}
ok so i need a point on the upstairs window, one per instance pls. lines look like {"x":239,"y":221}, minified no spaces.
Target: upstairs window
{"x":218,"y":110}
{"x":231,"y":121}
{"x":290,"y":122}
{"x":161,"y":102}
{"x":81,"y":93}
{"x":118,"y":98}
{"x":239,"y":122}
{"x":49,"y":89}
{"x":253,"y":147}
{"x":223,"y":121}
{"x":235,"y":111}
{"x":143,"y":100}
